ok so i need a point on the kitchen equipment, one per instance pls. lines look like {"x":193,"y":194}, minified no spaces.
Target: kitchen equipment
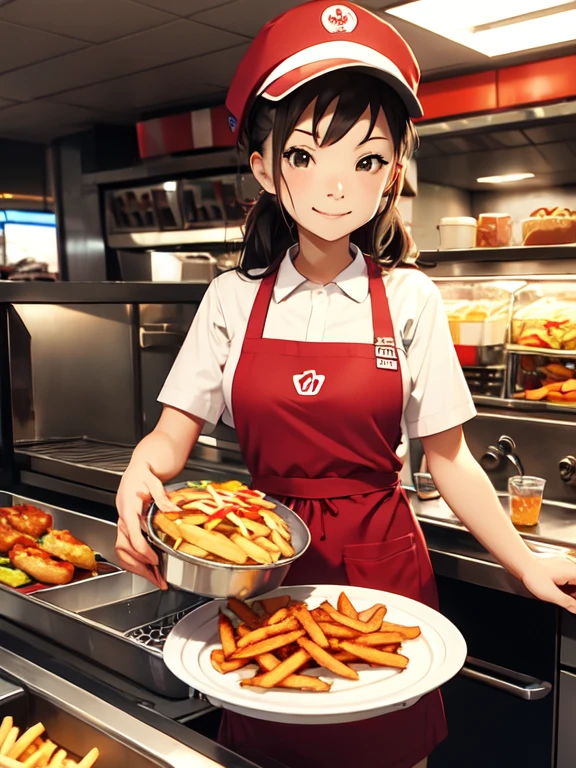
{"x":212,"y":579}
{"x":78,"y":721}
{"x":110,"y":619}
{"x":174,"y":267}
{"x":478,"y":313}
{"x":457,"y":232}
{"x":494,"y":230}
{"x":436,"y":656}
{"x":525,"y":499}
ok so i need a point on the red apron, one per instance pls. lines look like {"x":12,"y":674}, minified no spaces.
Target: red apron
{"x":319,"y":424}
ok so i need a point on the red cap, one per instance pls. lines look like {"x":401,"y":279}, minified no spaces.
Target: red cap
{"x":319,"y":37}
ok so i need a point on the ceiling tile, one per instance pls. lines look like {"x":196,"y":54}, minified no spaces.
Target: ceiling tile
{"x":45,"y":119}
{"x":183,"y":7}
{"x":246,"y":17}
{"x":84,"y":19}
{"x":559,"y":155}
{"x":218,"y":68}
{"x":178,"y":40}
{"x":144,"y":90}
{"x":21,"y":46}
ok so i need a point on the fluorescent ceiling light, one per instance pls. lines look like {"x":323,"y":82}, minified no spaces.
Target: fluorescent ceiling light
{"x":170,"y":186}
{"x":494,"y":27}
{"x":505,"y":179}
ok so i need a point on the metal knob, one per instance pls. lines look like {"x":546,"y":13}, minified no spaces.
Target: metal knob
{"x":567,"y":467}
{"x":492,"y":459}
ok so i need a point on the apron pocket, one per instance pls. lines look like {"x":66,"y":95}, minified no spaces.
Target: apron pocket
{"x":391,"y":566}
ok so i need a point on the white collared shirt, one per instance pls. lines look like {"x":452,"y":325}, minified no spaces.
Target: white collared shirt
{"x":436,"y":396}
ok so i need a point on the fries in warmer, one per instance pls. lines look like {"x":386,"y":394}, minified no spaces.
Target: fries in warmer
{"x":225,"y":523}
{"x":31,"y":749}
{"x":282,"y":638}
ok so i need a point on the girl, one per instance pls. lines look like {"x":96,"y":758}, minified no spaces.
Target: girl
{"x":323,"y":348}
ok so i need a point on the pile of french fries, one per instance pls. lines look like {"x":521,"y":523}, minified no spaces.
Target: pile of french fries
{"x":31,"y":750}
{"x":225,"y":523}
{"x":284,"y":637}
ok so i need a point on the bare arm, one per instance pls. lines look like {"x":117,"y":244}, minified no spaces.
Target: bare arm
{"x":469,"y":493}
{"x":158,"y":457}
{"x":166,"y":449}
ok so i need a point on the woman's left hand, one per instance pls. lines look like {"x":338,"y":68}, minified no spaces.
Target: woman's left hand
{"x":545,"y":577}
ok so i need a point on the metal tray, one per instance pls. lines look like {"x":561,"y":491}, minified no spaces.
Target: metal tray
{"x":117,"y":620}
{"x":78,"y":721}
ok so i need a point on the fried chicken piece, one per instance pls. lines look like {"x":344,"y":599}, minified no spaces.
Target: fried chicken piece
{"x":63,"y":545}
{"x":27,"y":519}
{"x":38,"y":564}
{"x":9,"y":537}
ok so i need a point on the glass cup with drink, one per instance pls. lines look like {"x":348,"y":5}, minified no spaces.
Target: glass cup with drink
{"x":525,"y":499}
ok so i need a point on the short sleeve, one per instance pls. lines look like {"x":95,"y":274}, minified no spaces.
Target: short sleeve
{"x":440,"y":398}
{"x":194,"y":383}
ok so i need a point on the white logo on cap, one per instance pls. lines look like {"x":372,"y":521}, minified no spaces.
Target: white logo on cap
{"x":339,"y":18}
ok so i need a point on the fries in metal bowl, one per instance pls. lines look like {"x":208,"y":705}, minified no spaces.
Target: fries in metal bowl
{"x":226,"y":539}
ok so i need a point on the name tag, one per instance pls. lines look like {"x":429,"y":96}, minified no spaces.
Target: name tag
{"x":385,"y":351}
{"x":389,"y":365}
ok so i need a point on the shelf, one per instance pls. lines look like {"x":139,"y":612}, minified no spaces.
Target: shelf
{"x":207,"y":235}
{"x":37,"y":292}
{"x":524,"y":406}
{"x":515,"y":253}
{"x":542,"y":351}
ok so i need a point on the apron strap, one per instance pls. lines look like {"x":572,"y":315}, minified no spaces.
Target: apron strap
{"x":257,"y":319}
{"x":381,"y":318}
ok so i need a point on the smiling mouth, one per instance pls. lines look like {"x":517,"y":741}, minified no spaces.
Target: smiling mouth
{"x":331,"y":215}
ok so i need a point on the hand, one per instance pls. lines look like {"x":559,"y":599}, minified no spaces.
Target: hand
{"x":138,"y":488}
{"x":547,"y":574}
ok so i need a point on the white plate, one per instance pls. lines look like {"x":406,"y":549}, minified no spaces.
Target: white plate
{"x":435,"y":657}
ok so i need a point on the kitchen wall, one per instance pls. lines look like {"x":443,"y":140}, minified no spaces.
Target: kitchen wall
{"x":521,"y":203}
{"x":433,"y":203}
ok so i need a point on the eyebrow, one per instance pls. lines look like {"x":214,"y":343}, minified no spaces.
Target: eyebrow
{"x":372,"y":138}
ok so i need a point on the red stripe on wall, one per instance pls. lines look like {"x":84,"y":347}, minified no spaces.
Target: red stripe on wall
{"x":459,"y":95}
{"x":551,"y":80}
{"x":177,"y":133}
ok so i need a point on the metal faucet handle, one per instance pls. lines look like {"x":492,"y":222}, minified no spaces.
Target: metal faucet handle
{"x":507,"y":445}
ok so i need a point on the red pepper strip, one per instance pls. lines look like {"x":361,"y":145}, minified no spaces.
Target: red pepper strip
{"x":220,"y":514}
{"x":533,"y":341}
{"x":555,"y":323}
{"x":253,"y":513}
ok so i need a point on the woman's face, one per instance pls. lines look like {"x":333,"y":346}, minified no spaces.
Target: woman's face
{"x":333,"y":190}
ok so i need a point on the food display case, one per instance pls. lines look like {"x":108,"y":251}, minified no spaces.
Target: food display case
{"x":515,"y":338}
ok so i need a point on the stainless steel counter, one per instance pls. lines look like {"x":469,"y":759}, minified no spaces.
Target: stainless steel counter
{"x":456,"y":554}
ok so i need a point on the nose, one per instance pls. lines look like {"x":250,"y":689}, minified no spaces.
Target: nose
{"x":338,"y":191}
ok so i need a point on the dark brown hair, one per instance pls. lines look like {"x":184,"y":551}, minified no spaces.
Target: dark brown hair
{"x":270,"y":230}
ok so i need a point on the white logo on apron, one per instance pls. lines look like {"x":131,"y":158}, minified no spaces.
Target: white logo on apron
{"x":308,"y":383}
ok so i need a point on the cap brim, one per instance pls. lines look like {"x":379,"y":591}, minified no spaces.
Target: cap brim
{"x":288,"y":82}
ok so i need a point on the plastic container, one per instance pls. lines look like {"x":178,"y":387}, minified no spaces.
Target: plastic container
{"x":457,"y":232}
{"x":544,"y":316}
{"x":494,"y":230}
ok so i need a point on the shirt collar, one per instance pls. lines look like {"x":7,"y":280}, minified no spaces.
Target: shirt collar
{"x":353,"y":281}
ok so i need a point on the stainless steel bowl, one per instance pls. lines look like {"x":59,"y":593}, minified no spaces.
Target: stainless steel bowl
{"x":210,"y":579}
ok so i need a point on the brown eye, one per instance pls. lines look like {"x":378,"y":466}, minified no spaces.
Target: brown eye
{"x":298,"y":158}
{"x":371,"y":163}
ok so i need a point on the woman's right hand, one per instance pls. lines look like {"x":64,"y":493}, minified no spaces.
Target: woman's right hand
{"x":139,"y":487}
